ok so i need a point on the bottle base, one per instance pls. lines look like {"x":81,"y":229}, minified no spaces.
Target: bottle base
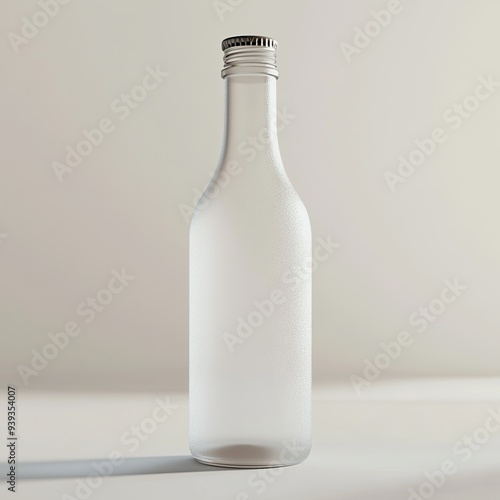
{"x":245,"y":456}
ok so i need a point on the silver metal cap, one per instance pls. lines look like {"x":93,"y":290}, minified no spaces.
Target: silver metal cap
{"x":249,"y":40}
{"x":249,"y":55}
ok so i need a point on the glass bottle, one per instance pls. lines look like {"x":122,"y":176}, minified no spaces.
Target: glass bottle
{"x":250,"y":296}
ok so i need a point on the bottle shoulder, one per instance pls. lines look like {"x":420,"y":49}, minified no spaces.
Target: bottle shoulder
{"x":259,"y":191}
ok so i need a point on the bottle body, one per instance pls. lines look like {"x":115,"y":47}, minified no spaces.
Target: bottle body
{"x":250,"y":299}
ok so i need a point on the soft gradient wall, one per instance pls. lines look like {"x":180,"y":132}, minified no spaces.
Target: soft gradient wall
{"x":354,"y":113}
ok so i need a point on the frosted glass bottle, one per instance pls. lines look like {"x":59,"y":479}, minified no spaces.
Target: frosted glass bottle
{"x":250,"y":314}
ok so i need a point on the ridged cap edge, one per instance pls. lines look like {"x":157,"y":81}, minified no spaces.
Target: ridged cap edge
{"x":249,"y":41}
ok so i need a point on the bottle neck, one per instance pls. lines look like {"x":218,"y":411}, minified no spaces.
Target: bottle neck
{"x":250,"y":113}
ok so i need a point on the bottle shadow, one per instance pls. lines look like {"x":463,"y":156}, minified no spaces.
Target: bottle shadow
{"x":105,"y":467}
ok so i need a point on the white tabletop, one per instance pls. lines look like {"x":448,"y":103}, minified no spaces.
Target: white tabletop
{"x":375,"y":446}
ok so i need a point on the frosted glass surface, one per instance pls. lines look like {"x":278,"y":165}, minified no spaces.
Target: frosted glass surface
{"x":250,"y":322}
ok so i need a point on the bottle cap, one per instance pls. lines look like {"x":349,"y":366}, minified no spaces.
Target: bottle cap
{"x":249,"y":40}
{"x":250,"y":55}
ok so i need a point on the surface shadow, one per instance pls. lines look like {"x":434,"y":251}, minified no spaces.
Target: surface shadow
{"x":104,"y":467}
